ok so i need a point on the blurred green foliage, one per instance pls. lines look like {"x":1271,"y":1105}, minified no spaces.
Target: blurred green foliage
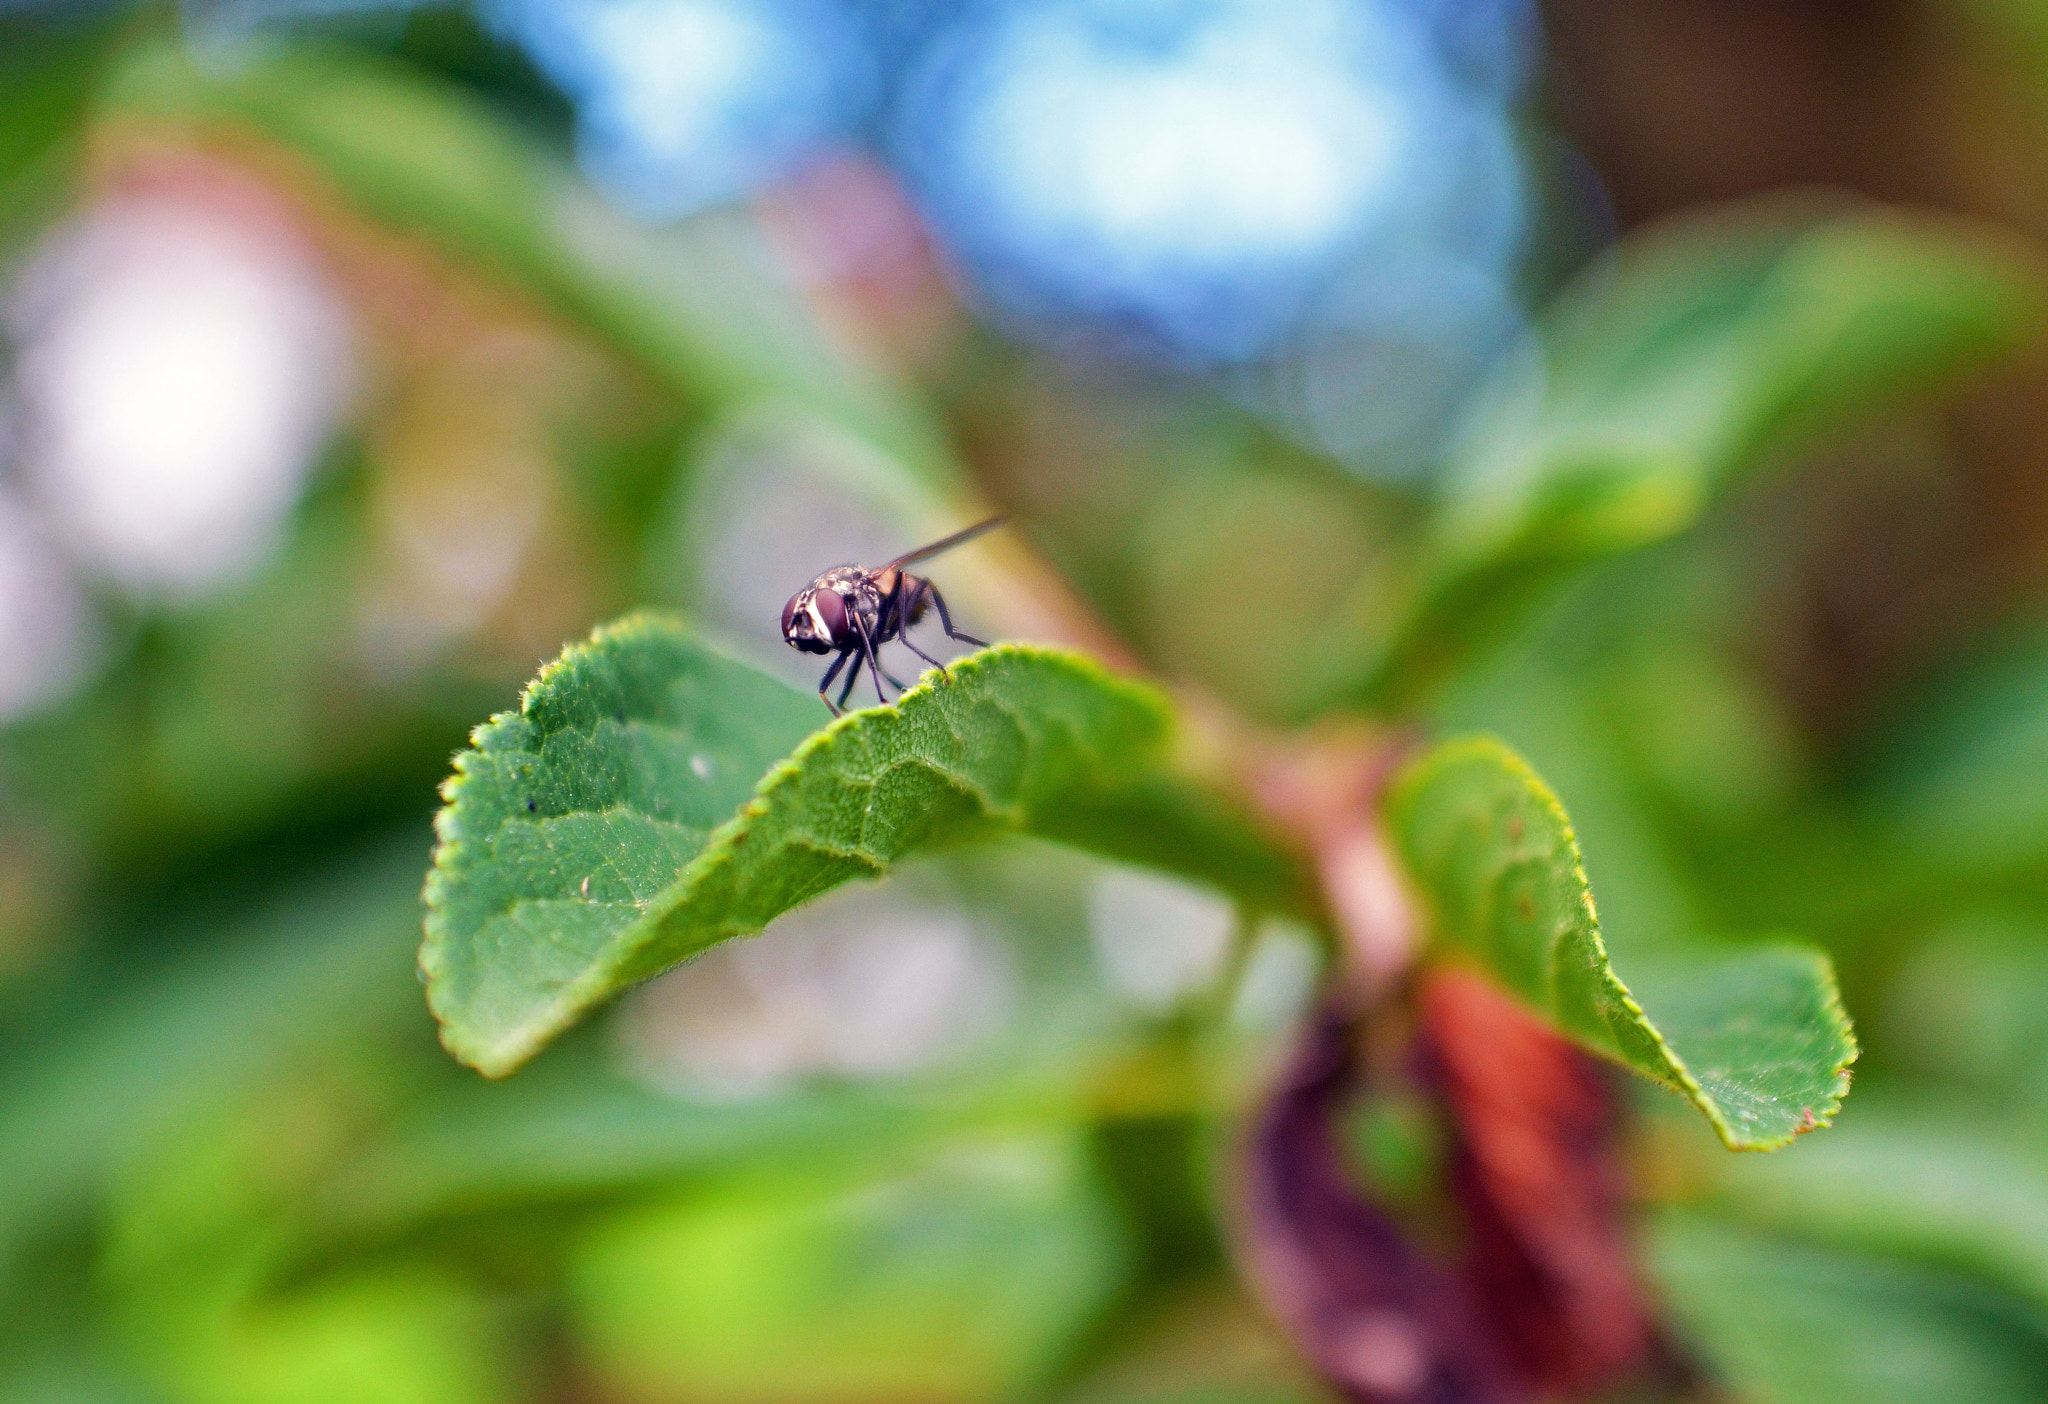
{"x":235,"y":1167}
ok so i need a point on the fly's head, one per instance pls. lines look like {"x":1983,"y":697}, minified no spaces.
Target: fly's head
{"x":816,"y":620}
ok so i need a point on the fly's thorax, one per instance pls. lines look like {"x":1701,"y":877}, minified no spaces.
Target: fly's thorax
{"x":861,"y":594}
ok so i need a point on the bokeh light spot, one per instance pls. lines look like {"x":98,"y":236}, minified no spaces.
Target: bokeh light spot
{"x":685,"y":103}
{"x":1191,"y":176}
{"x":180,"y":368}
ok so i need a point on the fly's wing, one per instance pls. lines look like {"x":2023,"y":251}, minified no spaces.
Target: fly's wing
{"x":944,"y":543}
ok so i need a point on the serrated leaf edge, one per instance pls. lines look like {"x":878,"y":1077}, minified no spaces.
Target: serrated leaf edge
{"x":1681,"y":1078}
{"x":501,"y":1059}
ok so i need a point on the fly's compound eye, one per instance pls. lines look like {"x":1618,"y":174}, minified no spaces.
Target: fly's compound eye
{"x":831,"y":607}
{"x":789,"y":616}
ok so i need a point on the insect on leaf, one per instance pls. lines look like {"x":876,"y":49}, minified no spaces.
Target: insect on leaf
{"x":1753,"y":1036}
{"x":639,"y":808}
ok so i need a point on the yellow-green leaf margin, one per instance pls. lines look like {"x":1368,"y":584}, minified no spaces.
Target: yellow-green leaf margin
{"x":1753,"y":1035}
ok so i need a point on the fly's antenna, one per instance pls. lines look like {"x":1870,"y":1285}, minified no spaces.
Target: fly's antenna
{"x":944,"y":543}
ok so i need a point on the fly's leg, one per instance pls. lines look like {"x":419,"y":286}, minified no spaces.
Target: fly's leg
{"x":893,"y":619}
{"x":905,"y":641}
{"x":891,"y":622}
{"x":910,"y":612}
{"x":946,"y":620}
{"x":851,"y":674}
{"x":825,"y":683}
{"x":874,"y":664}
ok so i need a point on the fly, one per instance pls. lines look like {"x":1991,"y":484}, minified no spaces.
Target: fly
{"x":852,"y":611}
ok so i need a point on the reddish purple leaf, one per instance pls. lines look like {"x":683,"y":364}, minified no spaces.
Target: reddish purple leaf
{"x":1536,"y":1168}
{"x":1379,"y":1320}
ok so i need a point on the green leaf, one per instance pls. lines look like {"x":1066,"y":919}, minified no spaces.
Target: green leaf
{"x":1910,"y":1181}
{"x":965,"y":1274}
{"x":1964,"y":1007}
{"x":1754,"y":1037}
{"x":1792,"y":1324}
{"x":1955,"y":787}
{"x":590,"y":839}
{"x":575,"y":1131}
{"x":322,"y":962}
{"x":47,"y":78}
{"x":1699,"y":351}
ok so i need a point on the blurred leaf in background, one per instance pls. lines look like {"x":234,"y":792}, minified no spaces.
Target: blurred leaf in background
{"x":1388,"y":367}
